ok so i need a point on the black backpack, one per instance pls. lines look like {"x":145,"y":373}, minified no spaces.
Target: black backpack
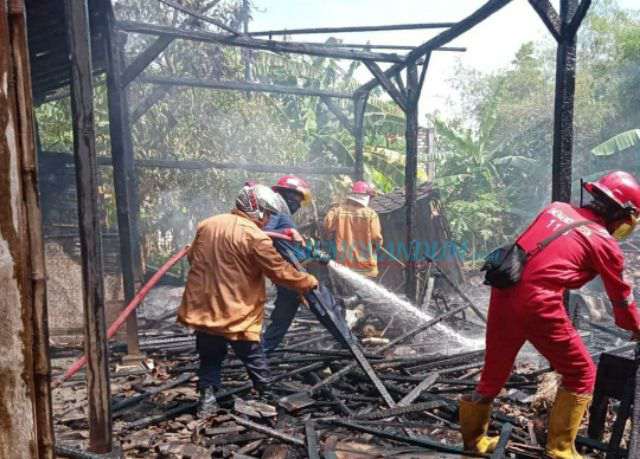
{"x":504,"y":266}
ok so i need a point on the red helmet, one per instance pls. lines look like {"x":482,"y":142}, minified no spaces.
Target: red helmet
{"x":361,"y":187}
{"x":619,"y":186}
{"x":291,"y":182}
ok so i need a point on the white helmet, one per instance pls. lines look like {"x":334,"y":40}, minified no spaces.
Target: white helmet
{"x":254,"y":200}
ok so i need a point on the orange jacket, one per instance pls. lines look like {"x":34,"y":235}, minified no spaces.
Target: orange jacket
{"x":357,"y":234}
{"x":225,"y":291}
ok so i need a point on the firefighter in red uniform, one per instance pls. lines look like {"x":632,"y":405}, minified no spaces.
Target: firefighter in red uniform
{"x":533,"y":309}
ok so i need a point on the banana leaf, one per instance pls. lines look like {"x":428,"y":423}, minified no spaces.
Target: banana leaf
{"x":618,"y":143}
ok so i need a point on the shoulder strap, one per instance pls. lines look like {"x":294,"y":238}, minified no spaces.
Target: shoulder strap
{"x":555,"y":235}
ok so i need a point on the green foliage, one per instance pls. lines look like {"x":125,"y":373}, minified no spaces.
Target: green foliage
{"x":618,"y":143}
{"x":495,"y":150}
{"x":225,"y":126}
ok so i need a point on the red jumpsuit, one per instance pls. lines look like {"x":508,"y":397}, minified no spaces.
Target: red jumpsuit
{"x":533,"y":309}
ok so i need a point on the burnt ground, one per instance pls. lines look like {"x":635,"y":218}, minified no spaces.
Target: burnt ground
{"x":154,"y":406}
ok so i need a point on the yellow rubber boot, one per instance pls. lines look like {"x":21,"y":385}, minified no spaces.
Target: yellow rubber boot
{"x":474,"y":422}
{"x":564,"y":422}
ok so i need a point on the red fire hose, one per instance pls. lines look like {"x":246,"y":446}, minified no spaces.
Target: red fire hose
{"x":115,"y":326}
{"x":274,"y":235}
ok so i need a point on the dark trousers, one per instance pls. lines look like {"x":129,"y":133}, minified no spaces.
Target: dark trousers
{"x":213,"y":349}
{"x":286,"y":306}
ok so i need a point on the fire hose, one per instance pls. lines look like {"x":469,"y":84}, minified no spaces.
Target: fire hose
{"x":126,"y":312}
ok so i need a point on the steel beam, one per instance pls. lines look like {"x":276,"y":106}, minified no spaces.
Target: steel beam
{"x":95,"y":340}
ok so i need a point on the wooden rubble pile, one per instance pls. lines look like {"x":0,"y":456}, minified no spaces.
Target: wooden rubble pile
{"x":322,"y":405}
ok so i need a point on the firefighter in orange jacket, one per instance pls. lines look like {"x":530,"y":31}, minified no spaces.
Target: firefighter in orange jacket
{"x":225,"y":292}
{"x":355,"y":229}
{"x":533,"y":309}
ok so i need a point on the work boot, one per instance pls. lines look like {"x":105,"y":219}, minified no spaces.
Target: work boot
{"x":207,"y":405}
{"x":474,"y":422}
{"x":564,"y":422}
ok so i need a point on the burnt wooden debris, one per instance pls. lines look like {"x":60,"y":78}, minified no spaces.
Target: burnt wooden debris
{"x":321,"y":402}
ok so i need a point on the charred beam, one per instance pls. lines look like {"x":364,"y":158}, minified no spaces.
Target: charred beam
{"x":359,"y":108}
{"x":564,"y":106}
{"x":376,"y":28}
{"x":402,"y":410}
{"x":153,"y":51}
{"x":501,"y":447}
{"x":252,"y":43}
{"x":243,"y":86}
{"x":549,"y":16}
{"x":415,"y":441}
{"x":443,"y":38}
{"x":343,"y":119}
{"x":268,"y":431}
{"x":369,"y":46}
{"x":387,"y":84}
{"x":411,"y":177}
{"x":124,"y":178}
{"x":197,"y":15}
{"x":201,"y":165}
{"x":425,"y":67}
{"x":313,"y":448}
{"x":578,"y":17}
{"x":143,"y":59}
{"x":148,"y":102}
{"x":95,"y":339}
{"x":418,"y":390}
{"x":131,"y":401}
{"x":273,"y":168}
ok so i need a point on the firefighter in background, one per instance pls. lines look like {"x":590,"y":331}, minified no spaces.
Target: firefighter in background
{"x":295,"y":192}
{"x":225,"y":292}
{"x":355,"y":229}
{"x":533,"y":309}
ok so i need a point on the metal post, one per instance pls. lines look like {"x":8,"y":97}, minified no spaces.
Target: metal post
{"x":360,"y":106}
{"x":95,"y":342}
{"x":411,"y":174}
{"x":564,"y":101}
{"x":124,"y":178}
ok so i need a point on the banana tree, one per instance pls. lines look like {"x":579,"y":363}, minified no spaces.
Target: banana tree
{"x":472,"y":177}
{"x":621,"y":151}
